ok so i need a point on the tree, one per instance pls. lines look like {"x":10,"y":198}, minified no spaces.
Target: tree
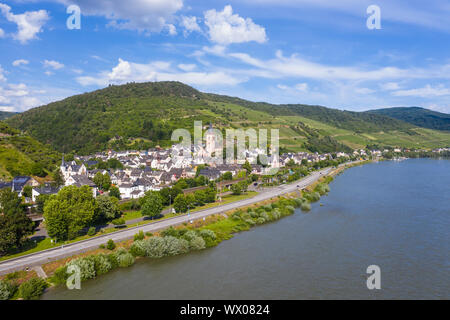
{"x":27,"y":191}
{"x":180,"y":203}
{"x":10,"y":203}
{"x":247,"y":167}
{"x":40,"y":202}
{"x":107,"y":208}
{"x":103,"y":181}
{"x":114,"y":192}
{"x":37,"y":169}
{"x":14,"y":228}
{"x":152,"y":204}
{"x":227,"y":176}
{"x":14,"y":223}
{"x":71,"y":210}
{"x":57,"y":178}
{"x":236,"y":189}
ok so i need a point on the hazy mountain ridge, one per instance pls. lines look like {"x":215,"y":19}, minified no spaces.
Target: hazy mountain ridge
{"x":140,"y":115}
{"x":417,"y":116}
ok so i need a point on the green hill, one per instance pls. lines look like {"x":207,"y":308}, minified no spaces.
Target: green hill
{"x":5,"y":114}
{"x":141,"y":115}
{"x":417,"y":116}
{"x":22,"y":155}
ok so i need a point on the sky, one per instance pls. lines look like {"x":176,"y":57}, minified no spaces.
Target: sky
{"x":319,"y":52}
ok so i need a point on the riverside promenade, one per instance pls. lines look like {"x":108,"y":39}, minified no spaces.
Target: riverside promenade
{"x":45,"y":256}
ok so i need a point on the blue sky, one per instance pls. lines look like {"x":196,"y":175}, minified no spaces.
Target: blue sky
{"x":304,"y":51}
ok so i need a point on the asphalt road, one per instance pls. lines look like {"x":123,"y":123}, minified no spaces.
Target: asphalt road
{"x":42,"y":257}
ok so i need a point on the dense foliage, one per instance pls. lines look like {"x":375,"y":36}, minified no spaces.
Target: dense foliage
{"x":418,"y":116}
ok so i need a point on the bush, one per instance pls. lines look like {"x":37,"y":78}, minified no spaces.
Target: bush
{"x":208,"y":234}
{"x":102,"y":246}
{"x":124,"y":258}
{"x":91,"y":231}
{"x":197,"y":243}
{"x":149,"y":234}
{"x":86,"y":266}
{"x":298,"y":202}
{"x":260,"y":220}
{"x":276,"y":214}
{"x":250,"y":222}
{"x":138,"y":248}
{"x":110,"y":245}
{"x":7,"y":290}
{"x":113,"y":260}
{"x":118,"y":222}
{"x":32,"y":289}
{"x":306,"y":206}
{"x":290,"y":209}
{"x":189,"y":235}
{"x":264,"y":215}
{"x":155,"y":247}
{"x":60,"y":275}
{"x":175,"y":246}
{"x":101,"y":263}
{"x":139,"y":236}
{"x":170,"y":232}
{"x":246,"y":215}
{"x":312,"y":196}
{"x":268,"y":207}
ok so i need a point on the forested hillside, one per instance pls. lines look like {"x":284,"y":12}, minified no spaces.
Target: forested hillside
{"x":142,"y":115}
{"x":417,"y":116}
{"x":22,"y":155}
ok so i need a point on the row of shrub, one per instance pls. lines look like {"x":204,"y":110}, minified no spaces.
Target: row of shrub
{"x":95,"y":265}
{"x":28,"y":290}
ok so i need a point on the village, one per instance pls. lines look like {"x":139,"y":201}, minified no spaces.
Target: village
{"x":137,"y":172}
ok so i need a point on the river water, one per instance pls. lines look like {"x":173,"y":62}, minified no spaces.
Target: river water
{"x":392,"y":214}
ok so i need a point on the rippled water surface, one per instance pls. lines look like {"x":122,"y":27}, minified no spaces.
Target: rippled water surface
{"x":392,"y":214}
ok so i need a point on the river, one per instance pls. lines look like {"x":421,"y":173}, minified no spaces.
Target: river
{"x":395,"y":215}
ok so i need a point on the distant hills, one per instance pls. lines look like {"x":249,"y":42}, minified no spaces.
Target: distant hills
{"x":5,"y":114}
{"x":142,"y":115}
{"x":21,"y":154}
{"x":418,"y":116}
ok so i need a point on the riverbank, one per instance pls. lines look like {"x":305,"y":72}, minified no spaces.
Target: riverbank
{"x":213,"y":220}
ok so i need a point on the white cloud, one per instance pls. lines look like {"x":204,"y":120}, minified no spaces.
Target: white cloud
{"x":297,"y":67}
{"x":19,"y":62}
{"x":226,"y":28}
{"x":16,"y":90}
{"x":172,"y":29}
{"x":126,"y":71}
{"x":303,"y":87}
{"x":29,"y":24}
{"x":2,"y":33}
{"x":55,"y":65}
{"x":190,"y":24}
{"x":390,"y":86}
{"x":187,"y":67}
{"x":364,"y":91}
{"x":425,"y":92}
{"x":49,"y":73}
{"x":6,"y":108}
{"x":141,"y":15}
{"x":432,"y":14}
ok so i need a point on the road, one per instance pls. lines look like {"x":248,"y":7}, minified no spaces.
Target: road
{"x":43,"y":257}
